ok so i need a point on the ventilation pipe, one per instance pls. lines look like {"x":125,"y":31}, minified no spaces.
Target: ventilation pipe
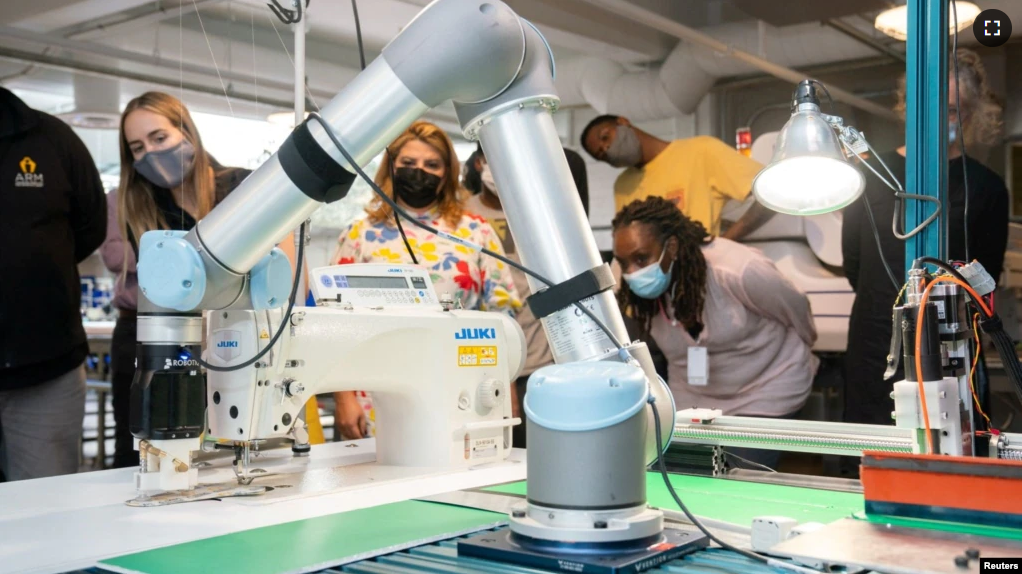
{"x":97,"y":103}
{"x":676,"y":86}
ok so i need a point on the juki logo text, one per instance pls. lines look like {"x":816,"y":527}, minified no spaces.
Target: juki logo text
{"x":476,"y":334}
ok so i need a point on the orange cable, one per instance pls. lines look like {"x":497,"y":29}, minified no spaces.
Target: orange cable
{"x":972,"y":373}
{"x":919,"y":343}
{"x":919,"y":365}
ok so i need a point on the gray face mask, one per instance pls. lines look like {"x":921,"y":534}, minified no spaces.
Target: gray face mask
{"x":626,"y":150}
{"x":167,"y":168}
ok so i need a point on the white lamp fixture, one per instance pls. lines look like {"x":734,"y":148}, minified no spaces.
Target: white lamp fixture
{"x":808,"y":174}
{"x":894,"y":21}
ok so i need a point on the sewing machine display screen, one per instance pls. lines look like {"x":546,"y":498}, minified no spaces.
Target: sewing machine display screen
{"x":373,"y":285}
{"x":357,"y":282}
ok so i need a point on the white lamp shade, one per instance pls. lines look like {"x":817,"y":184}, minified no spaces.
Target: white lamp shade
{"x":808,"y":174}
{"x":808,"y":185}
{"x":894,"y":22}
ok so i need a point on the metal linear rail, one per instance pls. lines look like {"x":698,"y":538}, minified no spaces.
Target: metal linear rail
{"x":1007,"y":446}
{"x":798,"y":436}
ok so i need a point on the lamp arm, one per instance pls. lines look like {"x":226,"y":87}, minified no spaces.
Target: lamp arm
{"x":844,"y":142}
{"x":849,"y":134}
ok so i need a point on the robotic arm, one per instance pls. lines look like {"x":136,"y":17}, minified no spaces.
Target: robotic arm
{"x":498,"y":70}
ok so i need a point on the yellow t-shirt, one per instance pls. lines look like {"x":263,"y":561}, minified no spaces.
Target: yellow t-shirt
{"x":700,"y":174}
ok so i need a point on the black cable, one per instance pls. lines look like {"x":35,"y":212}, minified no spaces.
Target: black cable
{"x":830,"y":98}
{"x":397,"y":220}
{"x":390,"y":158}
{"x":876,"y":236}
{"x":426,"y":227}
{"x":961,"y":135}
{"x":283,"y":320}
{"x":1006,"y":350}
{"x":287,"y":16}
{"x":677,"y":499}
{"x":404,"y":238}
{"x":938,"y":263}
{"x":358,"y":35}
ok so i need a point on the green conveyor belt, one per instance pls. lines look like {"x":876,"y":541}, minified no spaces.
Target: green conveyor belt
{"x":311,"y":544}
{"x":739,"y":502}
{"x":318,"y":543}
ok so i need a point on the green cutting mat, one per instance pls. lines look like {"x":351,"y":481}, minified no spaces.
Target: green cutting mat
{"x":311,"y":544}
{"x":739,"y":502}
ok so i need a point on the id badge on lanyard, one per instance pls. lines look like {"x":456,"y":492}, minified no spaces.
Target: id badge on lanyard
{"x":698,"y":367}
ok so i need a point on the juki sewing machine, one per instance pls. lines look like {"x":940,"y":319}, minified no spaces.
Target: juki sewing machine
{"x":439,"y":376}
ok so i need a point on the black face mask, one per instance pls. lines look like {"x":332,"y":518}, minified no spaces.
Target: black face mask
{"x":416,"y":187}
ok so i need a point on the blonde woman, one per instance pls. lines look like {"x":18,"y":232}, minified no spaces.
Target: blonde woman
{"x":420,"y":172}
{"x":168,"y":181}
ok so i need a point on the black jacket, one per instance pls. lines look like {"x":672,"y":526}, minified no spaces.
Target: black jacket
{"x":867,"y":395}
{"x":52,"y":216}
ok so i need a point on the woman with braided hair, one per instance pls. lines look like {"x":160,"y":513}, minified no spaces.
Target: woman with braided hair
{"x":737,"y":335}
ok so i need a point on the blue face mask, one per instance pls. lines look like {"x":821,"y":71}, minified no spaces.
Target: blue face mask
{"x":650,"y":282}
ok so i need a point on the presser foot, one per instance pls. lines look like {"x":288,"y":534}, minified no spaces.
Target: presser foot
{"x":243,"y":471}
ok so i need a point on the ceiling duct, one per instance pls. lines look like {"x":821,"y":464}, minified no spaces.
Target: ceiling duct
{"x":801,"y":11}
{"x":97,"y":103}
{"x":676,"y":86}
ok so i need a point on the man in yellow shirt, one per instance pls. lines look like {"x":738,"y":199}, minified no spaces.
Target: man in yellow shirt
{"x":699,"y":174}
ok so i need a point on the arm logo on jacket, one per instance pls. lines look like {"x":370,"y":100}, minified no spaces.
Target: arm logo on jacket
{"x":28,"y":177}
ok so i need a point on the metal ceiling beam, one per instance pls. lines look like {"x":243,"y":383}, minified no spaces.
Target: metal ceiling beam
{"x":69,"y":65}
{"x":105,"y":27}
{"x":741,"y":82}
{"x":653,"y":20}
{"x":863,"y":38}
{"x":103,"y":50}
{"x":446,"y":121}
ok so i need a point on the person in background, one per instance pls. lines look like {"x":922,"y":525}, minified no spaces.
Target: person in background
{"x":699,"y":175}
{"x":737,"y":334}
{"x":122,"y":346}
{"x":867,"y":394}
{"x":420,"y":172}
{"x":168,"y":181}
{"x":485,"y":201}
{"x":52,"y":217}
{"x":577,"y":165}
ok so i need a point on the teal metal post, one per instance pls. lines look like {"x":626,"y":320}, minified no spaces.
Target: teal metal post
{"x":926,"y":125}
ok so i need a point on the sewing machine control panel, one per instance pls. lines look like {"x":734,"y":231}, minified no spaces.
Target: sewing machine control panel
{"x":373,"y":285}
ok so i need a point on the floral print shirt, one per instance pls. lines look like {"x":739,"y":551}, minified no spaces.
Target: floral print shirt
{"x":478,"y":281}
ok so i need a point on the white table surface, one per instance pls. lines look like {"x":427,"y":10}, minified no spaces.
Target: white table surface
{"x":70,"y":522}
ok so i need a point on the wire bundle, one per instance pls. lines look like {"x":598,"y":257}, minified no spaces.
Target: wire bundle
{"x":990,"y":323}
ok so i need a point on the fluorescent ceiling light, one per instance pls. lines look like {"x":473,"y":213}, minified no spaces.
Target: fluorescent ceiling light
{"x":894,"y":21}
